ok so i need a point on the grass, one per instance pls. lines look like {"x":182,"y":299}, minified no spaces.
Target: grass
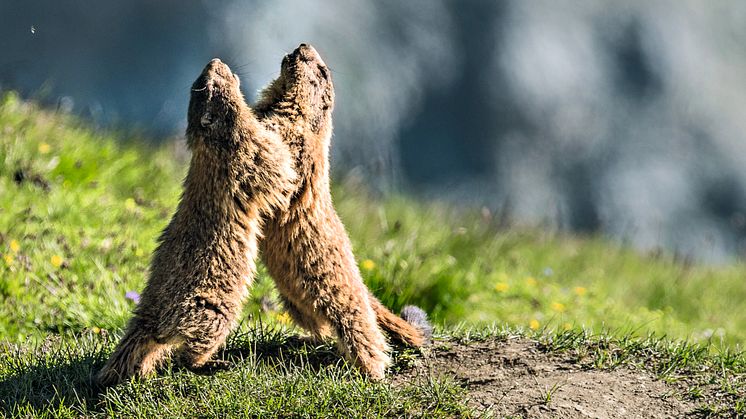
{"x":80,"y":210}
{"x":462,"y":268}
{"x":278,"y":375}
{"x":79,"y":215}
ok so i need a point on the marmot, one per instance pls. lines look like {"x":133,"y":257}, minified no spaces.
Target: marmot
{"x":306,"y":248}
{"x":239,"y":172}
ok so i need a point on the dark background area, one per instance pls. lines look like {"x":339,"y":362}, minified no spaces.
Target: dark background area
{"x":584,"y":116}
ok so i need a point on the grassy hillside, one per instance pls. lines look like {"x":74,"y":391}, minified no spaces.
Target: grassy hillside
{"x":80,"y":211}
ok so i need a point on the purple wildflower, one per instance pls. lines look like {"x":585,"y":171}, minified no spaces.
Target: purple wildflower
{"x":132,"y":295}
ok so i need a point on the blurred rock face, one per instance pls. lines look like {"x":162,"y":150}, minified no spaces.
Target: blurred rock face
{"x":118,"y":62}
{"x":581,"y":115}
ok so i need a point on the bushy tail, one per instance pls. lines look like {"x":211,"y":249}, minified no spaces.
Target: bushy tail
{"x":412,"y":328}
{"x":418,"y":318}
{"x":138,"y":354}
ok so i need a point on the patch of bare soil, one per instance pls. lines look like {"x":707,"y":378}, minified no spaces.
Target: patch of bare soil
{"x":515,"y":378}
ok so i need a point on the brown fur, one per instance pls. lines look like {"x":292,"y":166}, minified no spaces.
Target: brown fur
{"x":204,"y":263}
{"x":306,"y":248}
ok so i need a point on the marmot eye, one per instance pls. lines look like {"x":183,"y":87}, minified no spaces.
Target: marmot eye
{"x":206,"y":119}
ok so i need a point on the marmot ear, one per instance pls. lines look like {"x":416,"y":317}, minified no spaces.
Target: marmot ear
{"x":206,"y":119}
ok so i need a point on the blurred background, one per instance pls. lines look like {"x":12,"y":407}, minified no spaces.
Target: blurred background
{"x":585,"y":116}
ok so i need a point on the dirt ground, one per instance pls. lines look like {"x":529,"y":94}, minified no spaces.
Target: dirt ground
{"x":514,"y":378}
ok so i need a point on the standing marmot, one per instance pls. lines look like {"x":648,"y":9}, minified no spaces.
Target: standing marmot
{"x":199,"y":275}
{"x":306,"y":248}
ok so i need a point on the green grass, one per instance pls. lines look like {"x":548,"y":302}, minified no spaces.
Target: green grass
{"x":77,"y":232}
{"x":94,"y":204}
{"x":80,"y":210}
{"x":277,"y":374}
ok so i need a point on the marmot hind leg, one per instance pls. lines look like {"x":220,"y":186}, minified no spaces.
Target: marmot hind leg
{"x":346,"y":314}
{"x":138,"y":354}
{"x":361,"y":341}
{"x":197,"y":355}
{"x":358,"y":337}
{"x":205,"y":332}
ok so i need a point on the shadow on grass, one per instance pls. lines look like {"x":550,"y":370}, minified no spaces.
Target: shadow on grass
{"x":59,"y":373}
{"x":54,"y":374}
{"x":278,"y":348}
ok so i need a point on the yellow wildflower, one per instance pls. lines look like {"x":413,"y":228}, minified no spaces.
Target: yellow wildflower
{"x":283,"y":317}
{"x":56,"y":261}
{"x":95,"y":330}
{"x":14,"y":246}
{"x":531,"y":281}
{"x":8,"y":259}
{"x":368,"y":265}
{"x":533,"y":324}
{"x":501,"y":287}
{"x":558,"y":307}
{"x":130,"y":204}
{"x":567,"y":326}
{"x":139,"y":252}
{"x":44,"y":148}
{"x":580,"y":291}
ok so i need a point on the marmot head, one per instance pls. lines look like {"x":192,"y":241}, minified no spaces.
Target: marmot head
{"x":304,"y":73}
{"x":214,"y":107}
{"x":305,"y":82}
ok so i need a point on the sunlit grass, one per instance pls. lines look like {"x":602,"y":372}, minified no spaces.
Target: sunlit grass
{"x":81,"y":210}
{"x":461,"y":267}
{"x":274,"y":375}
